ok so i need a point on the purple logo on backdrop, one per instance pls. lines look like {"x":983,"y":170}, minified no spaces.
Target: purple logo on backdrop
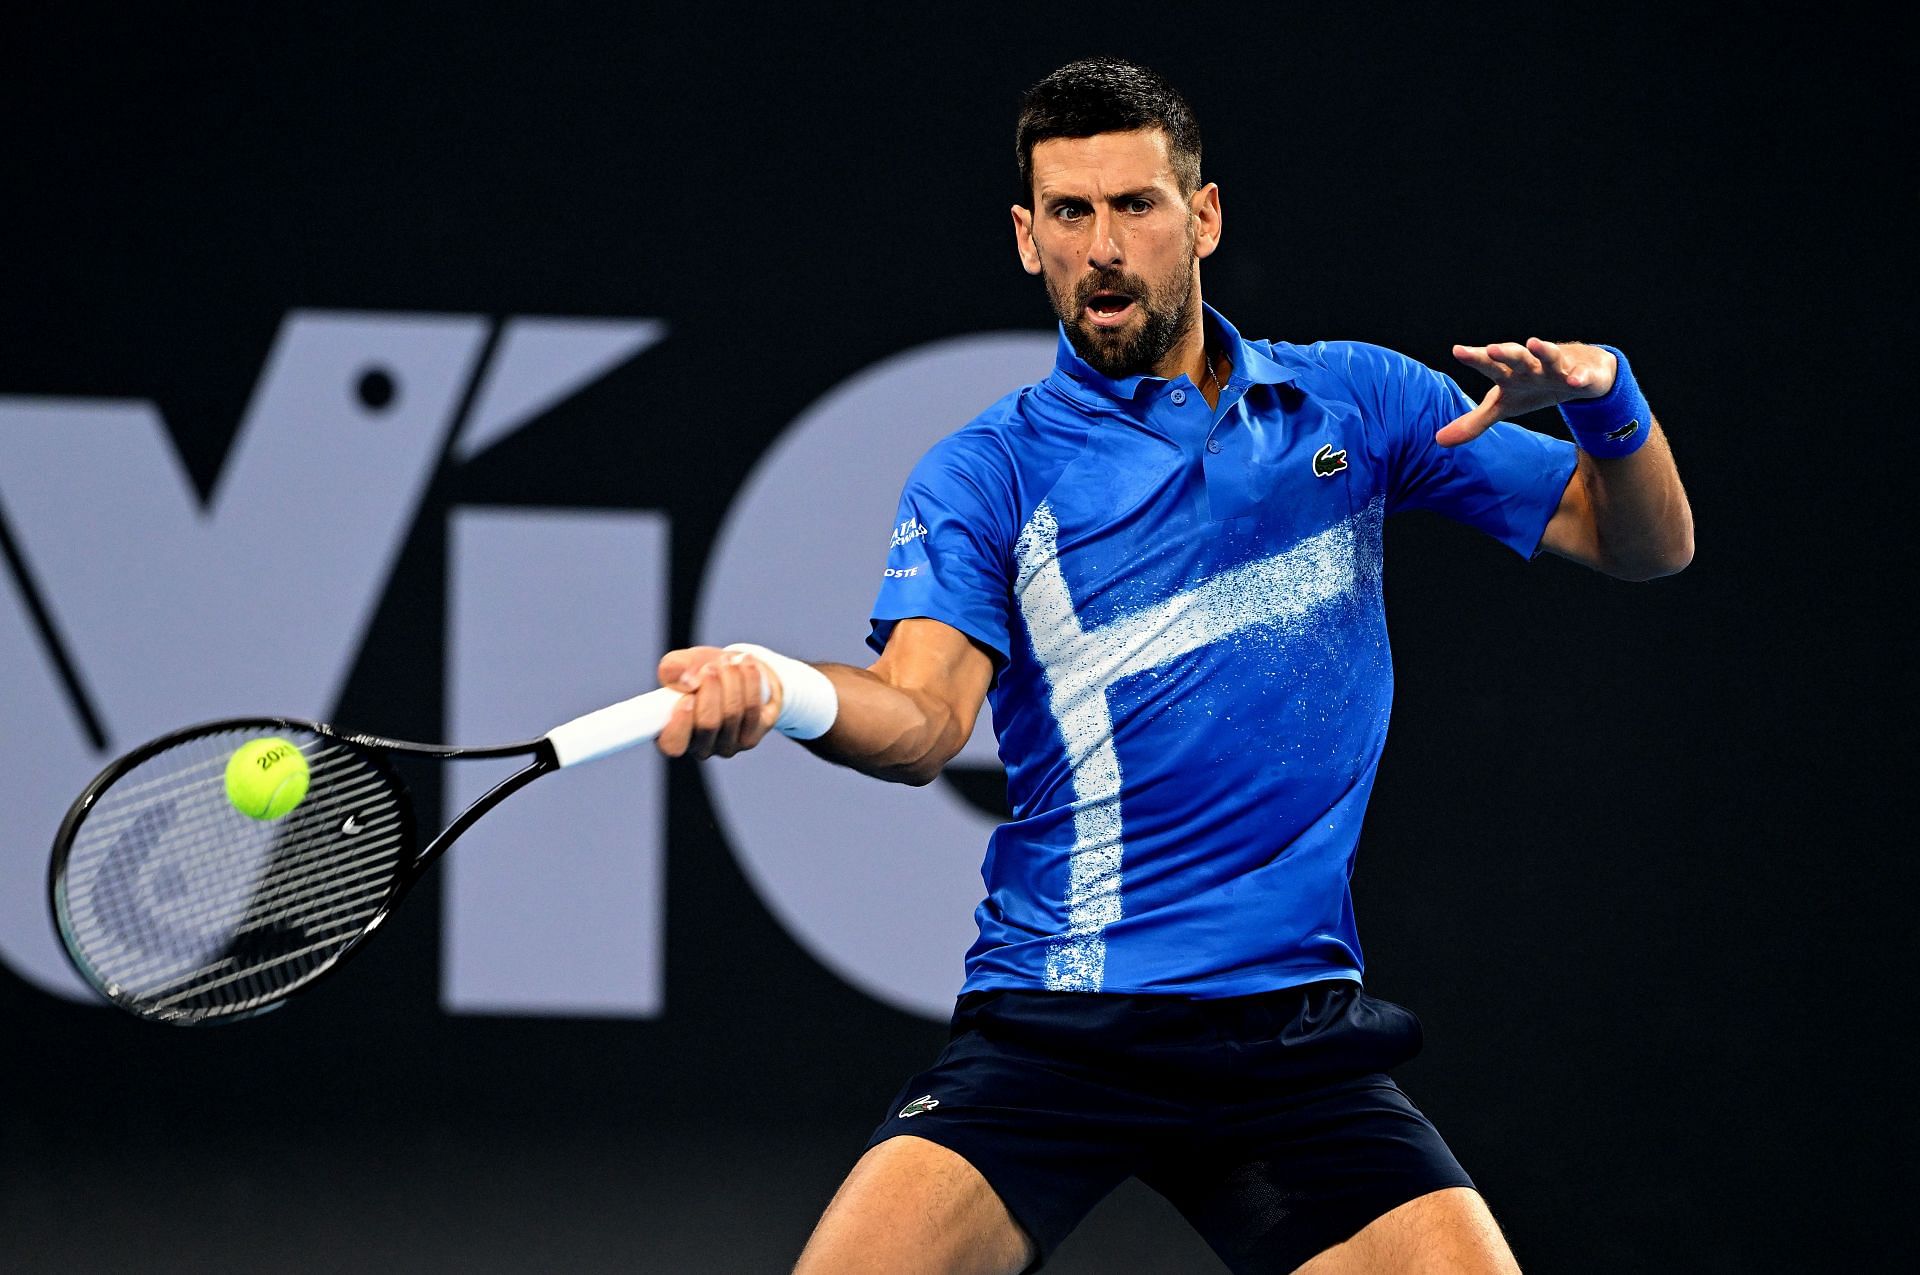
{"x":128,"y":607}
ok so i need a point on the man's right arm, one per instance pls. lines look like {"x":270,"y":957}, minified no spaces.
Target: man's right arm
{"x":901,"y":719}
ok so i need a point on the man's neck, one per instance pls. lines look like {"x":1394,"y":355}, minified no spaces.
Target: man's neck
{"x":1190,"y":358}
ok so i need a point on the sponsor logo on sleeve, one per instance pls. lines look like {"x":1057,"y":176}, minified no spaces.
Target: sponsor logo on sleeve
{"x":908,"y":532}
{"x":1327,"y":462}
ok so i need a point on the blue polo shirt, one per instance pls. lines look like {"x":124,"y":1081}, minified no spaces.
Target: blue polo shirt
{"x":1193,"y":678}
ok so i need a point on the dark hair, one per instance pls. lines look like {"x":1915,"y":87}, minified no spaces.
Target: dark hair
{"x":1106,"y":95}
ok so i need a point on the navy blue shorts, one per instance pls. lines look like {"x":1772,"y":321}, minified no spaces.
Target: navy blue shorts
{"x":1267,"y":1120}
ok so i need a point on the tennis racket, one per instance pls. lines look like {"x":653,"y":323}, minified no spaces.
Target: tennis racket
{"x":179,"y":908}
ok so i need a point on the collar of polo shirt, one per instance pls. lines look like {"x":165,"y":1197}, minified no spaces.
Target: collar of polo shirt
{"x":1075,"y":377}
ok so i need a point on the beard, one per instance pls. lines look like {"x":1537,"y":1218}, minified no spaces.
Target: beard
{"x":1136,"y":349}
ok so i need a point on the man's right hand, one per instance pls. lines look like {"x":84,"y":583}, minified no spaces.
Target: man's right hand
{"x":901,"y":719}
{"x":722,"y":712}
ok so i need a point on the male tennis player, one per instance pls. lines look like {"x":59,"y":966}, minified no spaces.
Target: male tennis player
{"x":1163,"y":563}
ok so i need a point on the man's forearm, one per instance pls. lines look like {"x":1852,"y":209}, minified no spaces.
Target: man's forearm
{"x":1642,"y":525}
{"x":900,"y":734}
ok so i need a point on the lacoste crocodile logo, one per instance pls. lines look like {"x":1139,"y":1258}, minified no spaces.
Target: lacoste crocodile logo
{"x":1327,"y":462}
{"x":1625,"y":432}
{"x":920,"y":1105}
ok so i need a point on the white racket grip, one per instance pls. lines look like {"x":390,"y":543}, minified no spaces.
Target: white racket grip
{"x":610,"y":729}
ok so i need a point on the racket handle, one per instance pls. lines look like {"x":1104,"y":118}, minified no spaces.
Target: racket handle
{"x":608,"y":730}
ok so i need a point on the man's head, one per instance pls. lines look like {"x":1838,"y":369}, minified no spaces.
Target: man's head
{"x":1115,"y":219}
{"x":1106,"y":95}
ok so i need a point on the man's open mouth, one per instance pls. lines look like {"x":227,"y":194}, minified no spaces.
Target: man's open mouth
{"x":1109,"y":309}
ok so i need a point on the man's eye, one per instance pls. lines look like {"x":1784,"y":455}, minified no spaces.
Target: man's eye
{"x":1139,"y":205}
{"x":1069,"y":212}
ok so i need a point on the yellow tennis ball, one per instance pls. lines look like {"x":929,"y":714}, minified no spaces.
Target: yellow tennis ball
{"x":266,"y":778}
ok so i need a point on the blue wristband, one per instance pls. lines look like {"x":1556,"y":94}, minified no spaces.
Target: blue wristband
{"x":1615,"y":424}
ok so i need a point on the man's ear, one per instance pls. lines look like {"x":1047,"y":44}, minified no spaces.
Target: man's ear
{"x":1023,"y":239}
{"x":1206,"y":214}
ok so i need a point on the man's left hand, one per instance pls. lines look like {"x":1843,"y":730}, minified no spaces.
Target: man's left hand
{"x":1525,"y":379}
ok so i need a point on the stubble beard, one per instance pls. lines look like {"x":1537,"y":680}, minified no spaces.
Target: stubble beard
{"x":1138,"y":348}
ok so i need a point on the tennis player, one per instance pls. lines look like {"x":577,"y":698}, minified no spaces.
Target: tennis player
{"x":1163,"y":564}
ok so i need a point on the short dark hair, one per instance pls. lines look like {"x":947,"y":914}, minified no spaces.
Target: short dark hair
{"x":1107,"y":95}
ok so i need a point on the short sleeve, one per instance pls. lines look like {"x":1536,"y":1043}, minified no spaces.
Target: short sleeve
{"x":950,"y":551}
{"x":1507,"y":483}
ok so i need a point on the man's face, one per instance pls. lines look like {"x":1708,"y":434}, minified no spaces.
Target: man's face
{"x":1117,"y":245}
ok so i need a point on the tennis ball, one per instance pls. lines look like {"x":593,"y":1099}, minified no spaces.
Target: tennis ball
{"x":266,"y":778}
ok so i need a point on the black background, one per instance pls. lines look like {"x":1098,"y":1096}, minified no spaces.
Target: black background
{"x":1633,"y":854}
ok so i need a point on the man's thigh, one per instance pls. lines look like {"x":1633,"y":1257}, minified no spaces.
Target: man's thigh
{"x":1447,"y":1232}
{"x":1051,"y":1135}
{"x":1288,"y":1179}
{"x":913,"y":1206}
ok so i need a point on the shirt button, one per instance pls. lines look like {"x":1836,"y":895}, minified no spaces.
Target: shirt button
{"x":1213,"y":445}
{"x":1179,"y":398}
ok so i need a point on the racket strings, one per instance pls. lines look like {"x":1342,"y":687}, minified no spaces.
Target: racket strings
{"x":214,"y":884}
{"x":292,"y":858}
{"x":178,"y":905}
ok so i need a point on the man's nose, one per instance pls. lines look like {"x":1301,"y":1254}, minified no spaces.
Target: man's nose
{"x":1103,"y":253}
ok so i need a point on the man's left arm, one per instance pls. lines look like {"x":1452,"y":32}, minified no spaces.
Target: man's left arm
{"x":1625,"y":514}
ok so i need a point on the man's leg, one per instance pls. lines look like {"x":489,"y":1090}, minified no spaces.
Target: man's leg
{"x":912,"y":1207}
{"x":1448,"y":1232}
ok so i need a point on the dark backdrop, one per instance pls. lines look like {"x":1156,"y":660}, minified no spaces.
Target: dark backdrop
{"x":1633,"y":855}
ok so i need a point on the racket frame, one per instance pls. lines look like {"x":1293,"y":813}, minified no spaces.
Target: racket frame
{"x":376,"y":750}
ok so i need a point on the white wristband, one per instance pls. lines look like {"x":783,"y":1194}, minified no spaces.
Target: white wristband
{"x":808,"y":702}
